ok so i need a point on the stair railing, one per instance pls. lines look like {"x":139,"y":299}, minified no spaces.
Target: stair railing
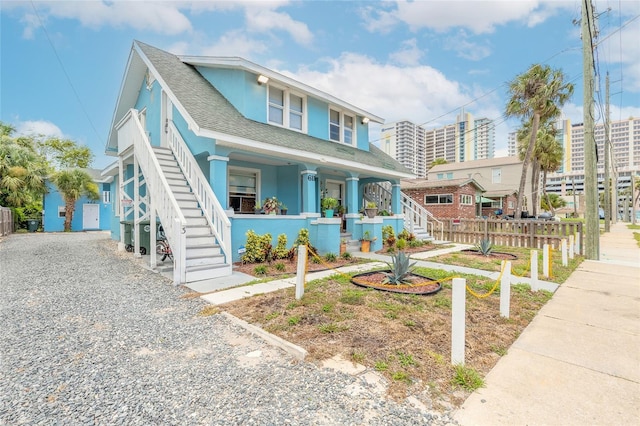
{"x":213,"y":211}
{"x":415,"y":215}
{"x":162,"y":197}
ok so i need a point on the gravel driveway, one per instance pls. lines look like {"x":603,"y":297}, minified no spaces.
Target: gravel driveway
{"x":88,"y":336}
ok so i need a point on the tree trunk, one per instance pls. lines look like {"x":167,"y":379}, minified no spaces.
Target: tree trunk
{"x":535,"y":184}
{"x":546,"y":194}
{"x":70,"y":206}
{"x":525,"y":164}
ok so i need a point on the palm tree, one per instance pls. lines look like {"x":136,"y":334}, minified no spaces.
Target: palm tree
{"x":73,"y":184}
{"x":536,"y":95}
{"x":547,"y":157}
{"x":22,"y":170}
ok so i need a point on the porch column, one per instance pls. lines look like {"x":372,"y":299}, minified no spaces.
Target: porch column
{"x":218,"y":178}
{"x":352,"y":194}
{"x":396,"y":207}
{"x":309,"y":184}
{"x":119,"y":193}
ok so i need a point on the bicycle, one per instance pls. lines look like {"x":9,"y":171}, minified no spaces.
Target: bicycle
{"x":162,"y":245}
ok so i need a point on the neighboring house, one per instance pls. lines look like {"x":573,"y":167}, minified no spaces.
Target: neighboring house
{"x":446,"y":199}
{"x":89,"y":215}
{"x":500,"y":177}
{"x":200,"y":140}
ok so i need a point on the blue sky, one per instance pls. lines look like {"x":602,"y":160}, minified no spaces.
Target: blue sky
{"x":62,"y":62}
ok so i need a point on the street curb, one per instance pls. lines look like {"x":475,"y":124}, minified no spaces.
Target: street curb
{"x":293,"y":350}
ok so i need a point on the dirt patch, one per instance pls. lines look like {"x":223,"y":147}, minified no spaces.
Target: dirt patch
{"x":406,"y":338}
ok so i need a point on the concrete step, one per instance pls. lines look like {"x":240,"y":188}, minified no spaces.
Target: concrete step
{"x":207,"y":272}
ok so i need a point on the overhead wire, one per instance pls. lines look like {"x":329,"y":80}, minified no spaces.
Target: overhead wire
{"x":64,"y":71}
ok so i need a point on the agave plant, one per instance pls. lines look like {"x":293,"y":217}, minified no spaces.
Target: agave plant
{"x":400,"y":267}
{"x":484,"y":247}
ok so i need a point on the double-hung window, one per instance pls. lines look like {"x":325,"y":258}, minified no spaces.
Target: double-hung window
{"x":286,"y":109}
{"x":466,"y":200}
{"x":341,"y":127}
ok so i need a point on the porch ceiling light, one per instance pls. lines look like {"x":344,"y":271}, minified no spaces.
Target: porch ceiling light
{"x":262,"y":79}
{"x":365,"y":120}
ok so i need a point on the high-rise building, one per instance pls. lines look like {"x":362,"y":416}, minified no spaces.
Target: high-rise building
{"x":416,"y":147}
{"x":405,"y":141}
{"x":624,"y":154}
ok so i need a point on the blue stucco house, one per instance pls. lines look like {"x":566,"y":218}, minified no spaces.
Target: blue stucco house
{"x":89,"y":215}
{"x":200,"y":140}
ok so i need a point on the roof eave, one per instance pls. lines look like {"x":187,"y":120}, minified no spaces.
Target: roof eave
{"x":243,"y":64}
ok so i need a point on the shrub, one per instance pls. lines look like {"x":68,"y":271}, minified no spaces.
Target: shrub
{"x":258,"y":248}
{"x":346,"y":255}
{"x":280,"y":266}
{"x":406,"y":235}
{"x":281,"y":250}
{"x":388,"y":235}
{"x":415,"y":243}
{"x":401,"y":244}
{"x":260,"y":270}
{"x":330,"y":257}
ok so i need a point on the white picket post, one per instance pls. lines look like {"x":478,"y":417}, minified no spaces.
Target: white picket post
{"x":300,"y":273}
{"x":458,"y":313}
{"x":571,"y":247}
{"x":545,"y":260}
{"x":505,"y":289}
{"x":534,"y":270}
{"x":565,"y":261}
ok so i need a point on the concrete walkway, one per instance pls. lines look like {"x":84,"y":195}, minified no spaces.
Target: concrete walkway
{"x":227,"y":289}
{"x":578,"y":362}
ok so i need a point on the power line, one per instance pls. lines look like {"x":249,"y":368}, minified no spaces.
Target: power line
{"x":64,"y":70}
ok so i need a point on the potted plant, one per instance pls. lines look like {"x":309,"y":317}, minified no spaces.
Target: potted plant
{"x":270,"y":205}
{"x":371,"y":209}
{"x":343,"y":246}
{"x":328,"y":205}
{"x":365,"y":242}
{"x":283,"y":208}
{"x":257,"y":208}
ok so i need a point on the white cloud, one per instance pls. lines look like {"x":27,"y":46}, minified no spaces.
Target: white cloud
{"x":418,"y":93}
{"x":466,"y":49}
{"x":409,"y":54}
{"x":235,"y":43}
{"x":161,"y":17}
{"x":263,"y":20}
{"x":38,"y":128}
{"x":477,"y":16}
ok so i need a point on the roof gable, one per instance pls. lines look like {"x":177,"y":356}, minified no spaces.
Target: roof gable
{"x":209,"y":114}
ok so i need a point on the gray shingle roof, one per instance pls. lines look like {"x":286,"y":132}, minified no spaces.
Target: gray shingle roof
{"x":212,"y":111}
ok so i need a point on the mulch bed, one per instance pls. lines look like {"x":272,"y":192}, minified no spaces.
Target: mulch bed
{"x":418,"y":284}
{"x":291,"y":266}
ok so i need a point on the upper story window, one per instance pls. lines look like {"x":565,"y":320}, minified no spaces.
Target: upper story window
{"x":341,"y":127}
{"x":286,"y":109}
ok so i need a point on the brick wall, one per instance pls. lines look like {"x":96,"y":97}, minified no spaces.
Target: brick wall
{"x":446,"y":211}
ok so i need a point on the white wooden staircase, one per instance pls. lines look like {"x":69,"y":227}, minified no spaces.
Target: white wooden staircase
{"x":204,"y":258}
{"x":196,"y":226}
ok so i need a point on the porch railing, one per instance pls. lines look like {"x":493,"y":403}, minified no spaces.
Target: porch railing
{"x":158,"y":188}
{"x":213,"y":211}
{"x":415,"y":216}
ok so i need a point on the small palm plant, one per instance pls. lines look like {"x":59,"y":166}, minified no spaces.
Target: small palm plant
{"x":484,"y":247}
{"x":400,"y":268}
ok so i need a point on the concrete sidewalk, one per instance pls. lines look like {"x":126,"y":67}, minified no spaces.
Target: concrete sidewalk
{"x":578,"y":362}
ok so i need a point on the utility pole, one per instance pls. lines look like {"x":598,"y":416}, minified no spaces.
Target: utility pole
{"x":607,"y":179}
{"x":592,"y":221}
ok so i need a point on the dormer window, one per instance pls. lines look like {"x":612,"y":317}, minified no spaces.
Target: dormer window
{"x":341,"y":127}
{"x":286,"y":109}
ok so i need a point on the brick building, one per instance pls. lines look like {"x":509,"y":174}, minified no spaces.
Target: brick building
{"x":446,"y":199}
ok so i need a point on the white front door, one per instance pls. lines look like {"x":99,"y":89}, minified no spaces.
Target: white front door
{"x":90,"y":216}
